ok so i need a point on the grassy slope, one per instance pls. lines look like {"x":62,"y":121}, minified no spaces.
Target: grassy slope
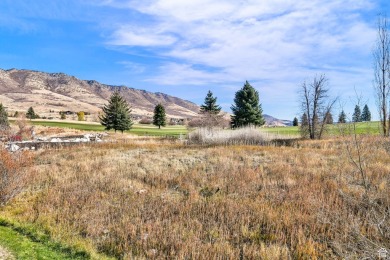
{"x":27,"y":241}
{"x":24,"y":248}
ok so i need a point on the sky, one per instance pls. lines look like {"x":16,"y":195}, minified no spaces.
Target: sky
{"x":185,"y":48}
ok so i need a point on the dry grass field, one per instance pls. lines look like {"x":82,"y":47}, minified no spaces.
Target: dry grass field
{"x":159,"y":199}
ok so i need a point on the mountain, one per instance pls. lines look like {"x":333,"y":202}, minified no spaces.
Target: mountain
{"x":272,"y":121}
{"x":50,"y":93}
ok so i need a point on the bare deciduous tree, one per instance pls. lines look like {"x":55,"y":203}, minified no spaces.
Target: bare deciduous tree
{"x":381,"y":55}
{"x":316,"y":104}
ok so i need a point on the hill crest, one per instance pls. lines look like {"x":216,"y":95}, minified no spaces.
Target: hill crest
{"x":50,"y":93}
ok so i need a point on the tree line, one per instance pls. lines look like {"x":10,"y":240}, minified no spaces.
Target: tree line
{"x":246,"y":109}
{"x":316,"y":105}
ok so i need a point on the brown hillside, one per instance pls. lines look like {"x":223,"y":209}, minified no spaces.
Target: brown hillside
{"x":45,"y":92}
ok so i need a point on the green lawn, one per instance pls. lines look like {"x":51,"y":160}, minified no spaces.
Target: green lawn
{"x":289,"y":130}
{"x":73,"y":125}
{"x":150,"y":130}
{"x":361,"y":128}
{"x":138,"y":129}
{"x":23,"y":247}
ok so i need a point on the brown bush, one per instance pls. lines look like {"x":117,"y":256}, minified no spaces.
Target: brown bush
{"x":146,"y":121}
{"x":210,"y":121}
{"x":14,"y":173}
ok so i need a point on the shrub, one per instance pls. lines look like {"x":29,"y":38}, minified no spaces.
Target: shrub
{"x":81,"y":116}
{"x":146,"y":121}
{"x":246,"y":135}
{"x":210,"y":121}
{"x":13,"y":173}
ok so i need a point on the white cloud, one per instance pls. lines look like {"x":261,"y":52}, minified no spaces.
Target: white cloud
{"x":275,"y":43}
{"x":132,"y":67}
{"x":131,"y":36}
{"x":177,"y":74}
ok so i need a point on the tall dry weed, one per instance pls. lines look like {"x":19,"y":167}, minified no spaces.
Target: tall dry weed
{"x":14,"y":173}
{"x":214,"y":136}
{"x":167,"y":200}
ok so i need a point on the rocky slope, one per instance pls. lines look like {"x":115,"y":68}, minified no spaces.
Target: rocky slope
{"x":49,"y":93}
{"x":272,"y":121}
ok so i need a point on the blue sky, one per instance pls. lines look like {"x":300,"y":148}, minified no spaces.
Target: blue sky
{"x":185,"y":48}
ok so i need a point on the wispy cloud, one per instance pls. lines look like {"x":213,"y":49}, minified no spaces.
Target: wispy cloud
{"x":221,"y":43}
{"x":132,"y":67}
{"x":276,"y":44}
{"x":135,"y":36}
{"x":250,"y":39}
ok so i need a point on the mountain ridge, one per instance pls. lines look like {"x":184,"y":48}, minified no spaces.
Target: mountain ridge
{"x":49,"y":93}
{"x":46,"y":92}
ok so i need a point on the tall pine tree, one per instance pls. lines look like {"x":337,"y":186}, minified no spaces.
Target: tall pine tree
{"x":342,"y":117}
{"x":159,"y":117}
{"x":329,"y":118}
{"x":31,"y":113}
{"x":4,"y":124}
{"x":366,"y":114}
{"x":247,"y":109}
{"x":295,"y":121}
{"x":356,"y":114}
{"x":116,"y":114}
{"x":210,"y":104}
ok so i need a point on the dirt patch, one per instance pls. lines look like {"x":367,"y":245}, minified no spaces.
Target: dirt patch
{"x":5,"y":254}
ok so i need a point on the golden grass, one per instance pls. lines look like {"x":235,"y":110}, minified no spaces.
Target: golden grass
{"x":161,"y":199}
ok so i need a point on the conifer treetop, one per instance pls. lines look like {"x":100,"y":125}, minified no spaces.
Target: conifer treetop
{"x":210,"y":104}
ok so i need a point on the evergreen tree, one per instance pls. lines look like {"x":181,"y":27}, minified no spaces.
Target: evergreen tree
{"x":31,"y":113}
{"x":116,"y":114}
{"x":342,"y":117}
{"x":4,"y":124}
{"x":366,"y":114}
{"x":329,"y":118}
{"x":356,"y":114}
{"x":63,"y":116}
{"x":304,"y":129}
{"x":247,"y":109}
{"x":159,"y":118}
{"x":210,"y":104}
{"x":295,"y":121}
